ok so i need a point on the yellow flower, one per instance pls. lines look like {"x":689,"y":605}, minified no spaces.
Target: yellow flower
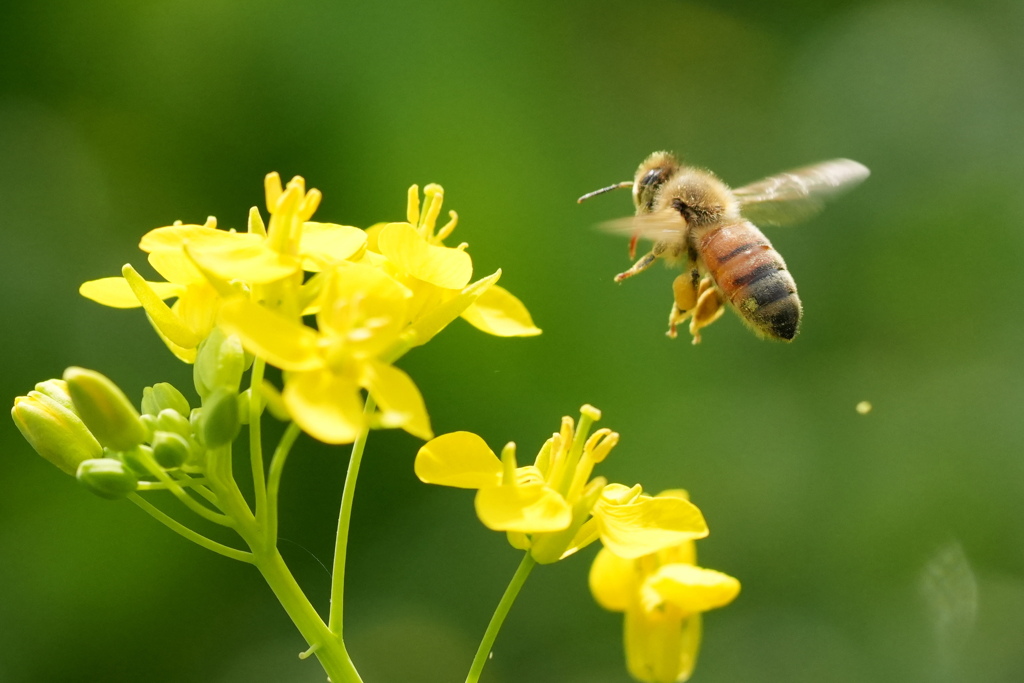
{"x":415,"y":254}
{"x":202,"y":265}
{"x":360,"y":322}
{"x":663,"y":595}
{"x":552,"y":508}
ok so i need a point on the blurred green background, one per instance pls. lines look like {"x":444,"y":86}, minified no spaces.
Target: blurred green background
{"x":117,"y":117}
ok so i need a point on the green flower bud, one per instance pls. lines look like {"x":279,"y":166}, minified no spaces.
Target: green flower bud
{"x":219,"y":364}
{"x":104,"y":409}
{"x":164,"y":396}
{"x":57,"y":389}
{"x":47,"y":420}
{"x":172,"y":421}
{"x":149,"y":422}
{"x":170,"y":449}
{"x":219,"y":421}
{"x":107,"y":478}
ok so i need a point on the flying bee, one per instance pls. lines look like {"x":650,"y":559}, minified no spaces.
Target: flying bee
{"x":695,"y":219}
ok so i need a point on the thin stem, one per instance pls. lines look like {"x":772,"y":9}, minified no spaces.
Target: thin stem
{"x":256,"y":438}
{"x":193,"y":536}
{"x":191,"y":503}
{"x":284,"y":447}
{"x":197,"y":484}
{"x":344,"y":521}
{"x":518,"y":579}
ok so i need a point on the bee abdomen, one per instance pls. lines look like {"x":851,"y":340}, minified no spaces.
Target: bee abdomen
{"x":754,"y":279}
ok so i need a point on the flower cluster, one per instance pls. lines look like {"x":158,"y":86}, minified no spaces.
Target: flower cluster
{"x":334,"y":307}
{"x":375,"y":294}
{"x":663,"y":595}
{"x":554,"y":508}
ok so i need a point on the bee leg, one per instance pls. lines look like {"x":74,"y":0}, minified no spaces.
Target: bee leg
{"x":709,"y":308}
{"x":632,"y":245}
{"x":684,"y":300}
{"x":644,"y":263}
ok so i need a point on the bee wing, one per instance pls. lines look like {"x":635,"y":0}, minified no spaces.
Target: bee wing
{"x":798,"y":194}
{"x":664,"y":225}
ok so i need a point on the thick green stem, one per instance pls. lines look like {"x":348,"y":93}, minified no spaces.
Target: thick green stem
{"x":344,"y":521}
{"x":518,"y":579}
{"x":327,"y":646}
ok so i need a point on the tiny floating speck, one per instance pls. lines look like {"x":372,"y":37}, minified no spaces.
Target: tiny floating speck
{"x":864,"y":407}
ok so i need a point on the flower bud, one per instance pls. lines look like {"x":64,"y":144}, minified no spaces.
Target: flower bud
{"x":47,"y":420}
{"x":163,"y":396}
{"x":172,"y":421}
{"x":104,"y":409}
{"x":57,"y":389}
{"x":219,"y":364}
{"x":219,"y":423}
{"x":107,"y":478}
{"x":170,"y":449}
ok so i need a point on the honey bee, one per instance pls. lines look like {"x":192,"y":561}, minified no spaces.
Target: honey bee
{"x":695,"y":219}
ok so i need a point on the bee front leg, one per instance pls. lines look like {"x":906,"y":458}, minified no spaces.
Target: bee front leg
{"x":684,"y":295}
{"x":709,"y":308}
{"x":645,"y":262}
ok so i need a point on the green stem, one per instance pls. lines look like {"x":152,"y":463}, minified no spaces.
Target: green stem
{"x":256,"y":438}
{"x":284,"y":447}
{"x":230,"y":498}
{"x":327,"y":646}
{"x":193,"y":536}
{"x":518,"y":579}
{"x":344,"y":521}
{"x":197,"y":484}
{"x":181,"y":494}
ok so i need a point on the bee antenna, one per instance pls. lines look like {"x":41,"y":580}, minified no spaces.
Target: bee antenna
{"x":616,"y":186}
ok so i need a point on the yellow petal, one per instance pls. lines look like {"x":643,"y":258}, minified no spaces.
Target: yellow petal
{"x":173,"y":237}
{"x":330,"y":242}
{"x":437,"y":319}
{"x":175,"y":266}
{"x":400,"y":401}
{"x":460,"y":459}
{"x":363,"y":308}
{"x":646,"y":525}
{"x":613,"y":581}
{"x":325,"y":405}
{"x":197,"y":307}
{"x":530,"y":509}
{"x":246,"y":257}
{"x":500,"y":313}
{"x":691,"y":589}
{"x":660,"y":649}
{"x":410,"y":252}
{"x":117,"y":293}
{"x":280,"y":341}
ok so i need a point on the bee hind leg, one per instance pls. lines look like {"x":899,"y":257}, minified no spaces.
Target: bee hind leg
{"x":684,"y":300}
{"x":709,"y":308}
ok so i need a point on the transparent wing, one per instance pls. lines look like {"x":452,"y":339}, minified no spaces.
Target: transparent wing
{"x":664,"y":225}
{"x":798,"y":194}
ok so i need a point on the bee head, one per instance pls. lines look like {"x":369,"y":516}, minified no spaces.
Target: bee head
{"x":652,"y":174}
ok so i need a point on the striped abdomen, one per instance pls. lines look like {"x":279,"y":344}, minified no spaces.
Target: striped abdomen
{"x":753,"y":278}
